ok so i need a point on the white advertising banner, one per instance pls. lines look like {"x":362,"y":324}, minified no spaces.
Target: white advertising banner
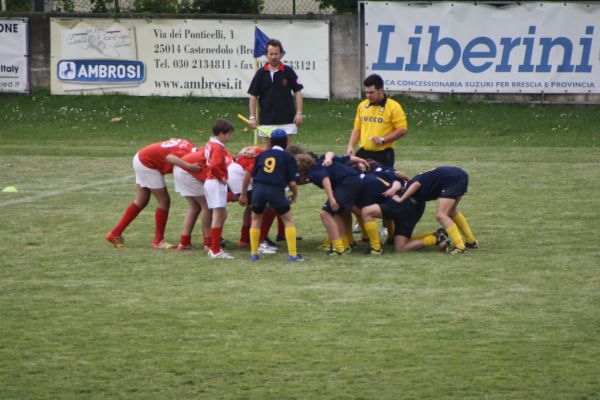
{"x":14,"y":71}
{"x":478,"y":48}
{"x":177,"y":57}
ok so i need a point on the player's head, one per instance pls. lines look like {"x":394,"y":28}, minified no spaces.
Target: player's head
{"x":279,"y":138}
{"x":294,"y":149}
{"x":274,"y":51}
{"x":373,"y":164}
{"x":223,"y":129}
{"x":305,"y":162}
{"x":374,"y":88}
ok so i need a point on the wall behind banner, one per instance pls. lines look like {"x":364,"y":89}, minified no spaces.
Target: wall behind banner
{"x":344,"y":59}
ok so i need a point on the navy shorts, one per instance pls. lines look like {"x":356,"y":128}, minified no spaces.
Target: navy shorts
{"x":345,"y":193}
{"x":269,"y":195}
{"x":406,"y":215}
{"x":455,"y":186}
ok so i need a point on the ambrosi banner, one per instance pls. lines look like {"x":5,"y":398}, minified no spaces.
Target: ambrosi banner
{"x":101,"y":71}
{"x":14,"y":73}
{"x":460,"y":47}
{"x":179,"y":57}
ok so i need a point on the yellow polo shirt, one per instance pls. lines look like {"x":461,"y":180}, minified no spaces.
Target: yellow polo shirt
{"x":378,"y":120}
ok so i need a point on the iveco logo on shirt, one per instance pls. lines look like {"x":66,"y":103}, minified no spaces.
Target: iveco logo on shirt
{"x":366,"y":118}
{"x":101,"y":71}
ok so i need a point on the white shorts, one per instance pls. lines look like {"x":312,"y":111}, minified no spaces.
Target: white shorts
{"x":186,"y":184}
{"x":235,"y":177}
{"x":147,"y":177}
{"x":290,"y":129}
{"x":216,"y":193}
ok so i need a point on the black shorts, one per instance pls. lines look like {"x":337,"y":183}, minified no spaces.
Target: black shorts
{"x":455,"y":186}
{"x":345,"y":193}
{"x":405,"y":215}
{"x":273,"y":196}
{"x":385,"y":157}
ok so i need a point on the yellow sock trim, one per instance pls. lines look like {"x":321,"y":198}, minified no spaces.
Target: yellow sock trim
{"x":361,"y":224}
{"x":345,"y":242}
{"x":464,"y":227}
{"x":429,"y":241}
{"x":455,"y":236}
{"x":290,"y":238}
{"x":371,"y":230}
{"x":254,"y":239}
{"x":421,"y":236}
{"x":338,"y":245}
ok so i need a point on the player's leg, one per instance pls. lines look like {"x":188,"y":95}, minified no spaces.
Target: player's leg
{"x":161,"y":216}
{"x":259,"y":210}
{"x":245,"y":228}
{"x":256,"y":221}
{"x":219,"y":215}
{"x":347,"y":217}
{"x":368,"y":215}
{"x":290,"y":236}
{"x":445,"y":206}
{"x":267,"y":221}
{"x":340,"y":221}
{"x":331,"y":227}
{"x":216,"y":200}
{"x":460,"y":220}
{"x":185,"y":241}
{"x":142,"y":196}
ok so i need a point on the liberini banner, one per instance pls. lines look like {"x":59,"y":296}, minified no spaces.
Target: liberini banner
{"x":471,"y":48}
{"x":177,"y":57}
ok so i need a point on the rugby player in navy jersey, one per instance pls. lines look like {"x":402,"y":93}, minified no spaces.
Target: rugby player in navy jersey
{"x":447,"y":185}
{"x":274,"y":169}
{"x":380,"y":181}
{"x":341,"y":184}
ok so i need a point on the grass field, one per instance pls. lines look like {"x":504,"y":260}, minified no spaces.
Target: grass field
{"x":518,"y":318}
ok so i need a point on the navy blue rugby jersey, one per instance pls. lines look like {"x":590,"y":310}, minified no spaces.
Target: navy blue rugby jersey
{"x":275,"y":167}
{"x":434,"y":182}
{"x":336,"y":172}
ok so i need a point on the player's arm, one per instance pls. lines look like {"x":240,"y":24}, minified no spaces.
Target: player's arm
{"x":252,"y":101}
{"x":248,"y":151}
{"x":359,"y":160}
{"x":217,"y":165}
{"x":173,"y":159}
{"x":329,"y":192}
{"x":299,"y":117}
{"x":294,"y":189}
{"x":408,"y":192}
{"x":401,"y":175}
{"x":243,"y":200}
{"x":328,"y":159}
{"x":392,"y":190}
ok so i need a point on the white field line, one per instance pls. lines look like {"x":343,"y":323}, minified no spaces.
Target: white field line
{"x":45,"y":195}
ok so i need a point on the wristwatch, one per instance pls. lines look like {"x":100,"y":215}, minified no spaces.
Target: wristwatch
{"x":382,"y":141}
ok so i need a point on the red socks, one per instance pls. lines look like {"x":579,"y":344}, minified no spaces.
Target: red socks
{"x":128,"y":216}
{"x":215,"y":236}
{"x":268,"y":218}
{"x":160,"y":216}
{"x":185,"y":240}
